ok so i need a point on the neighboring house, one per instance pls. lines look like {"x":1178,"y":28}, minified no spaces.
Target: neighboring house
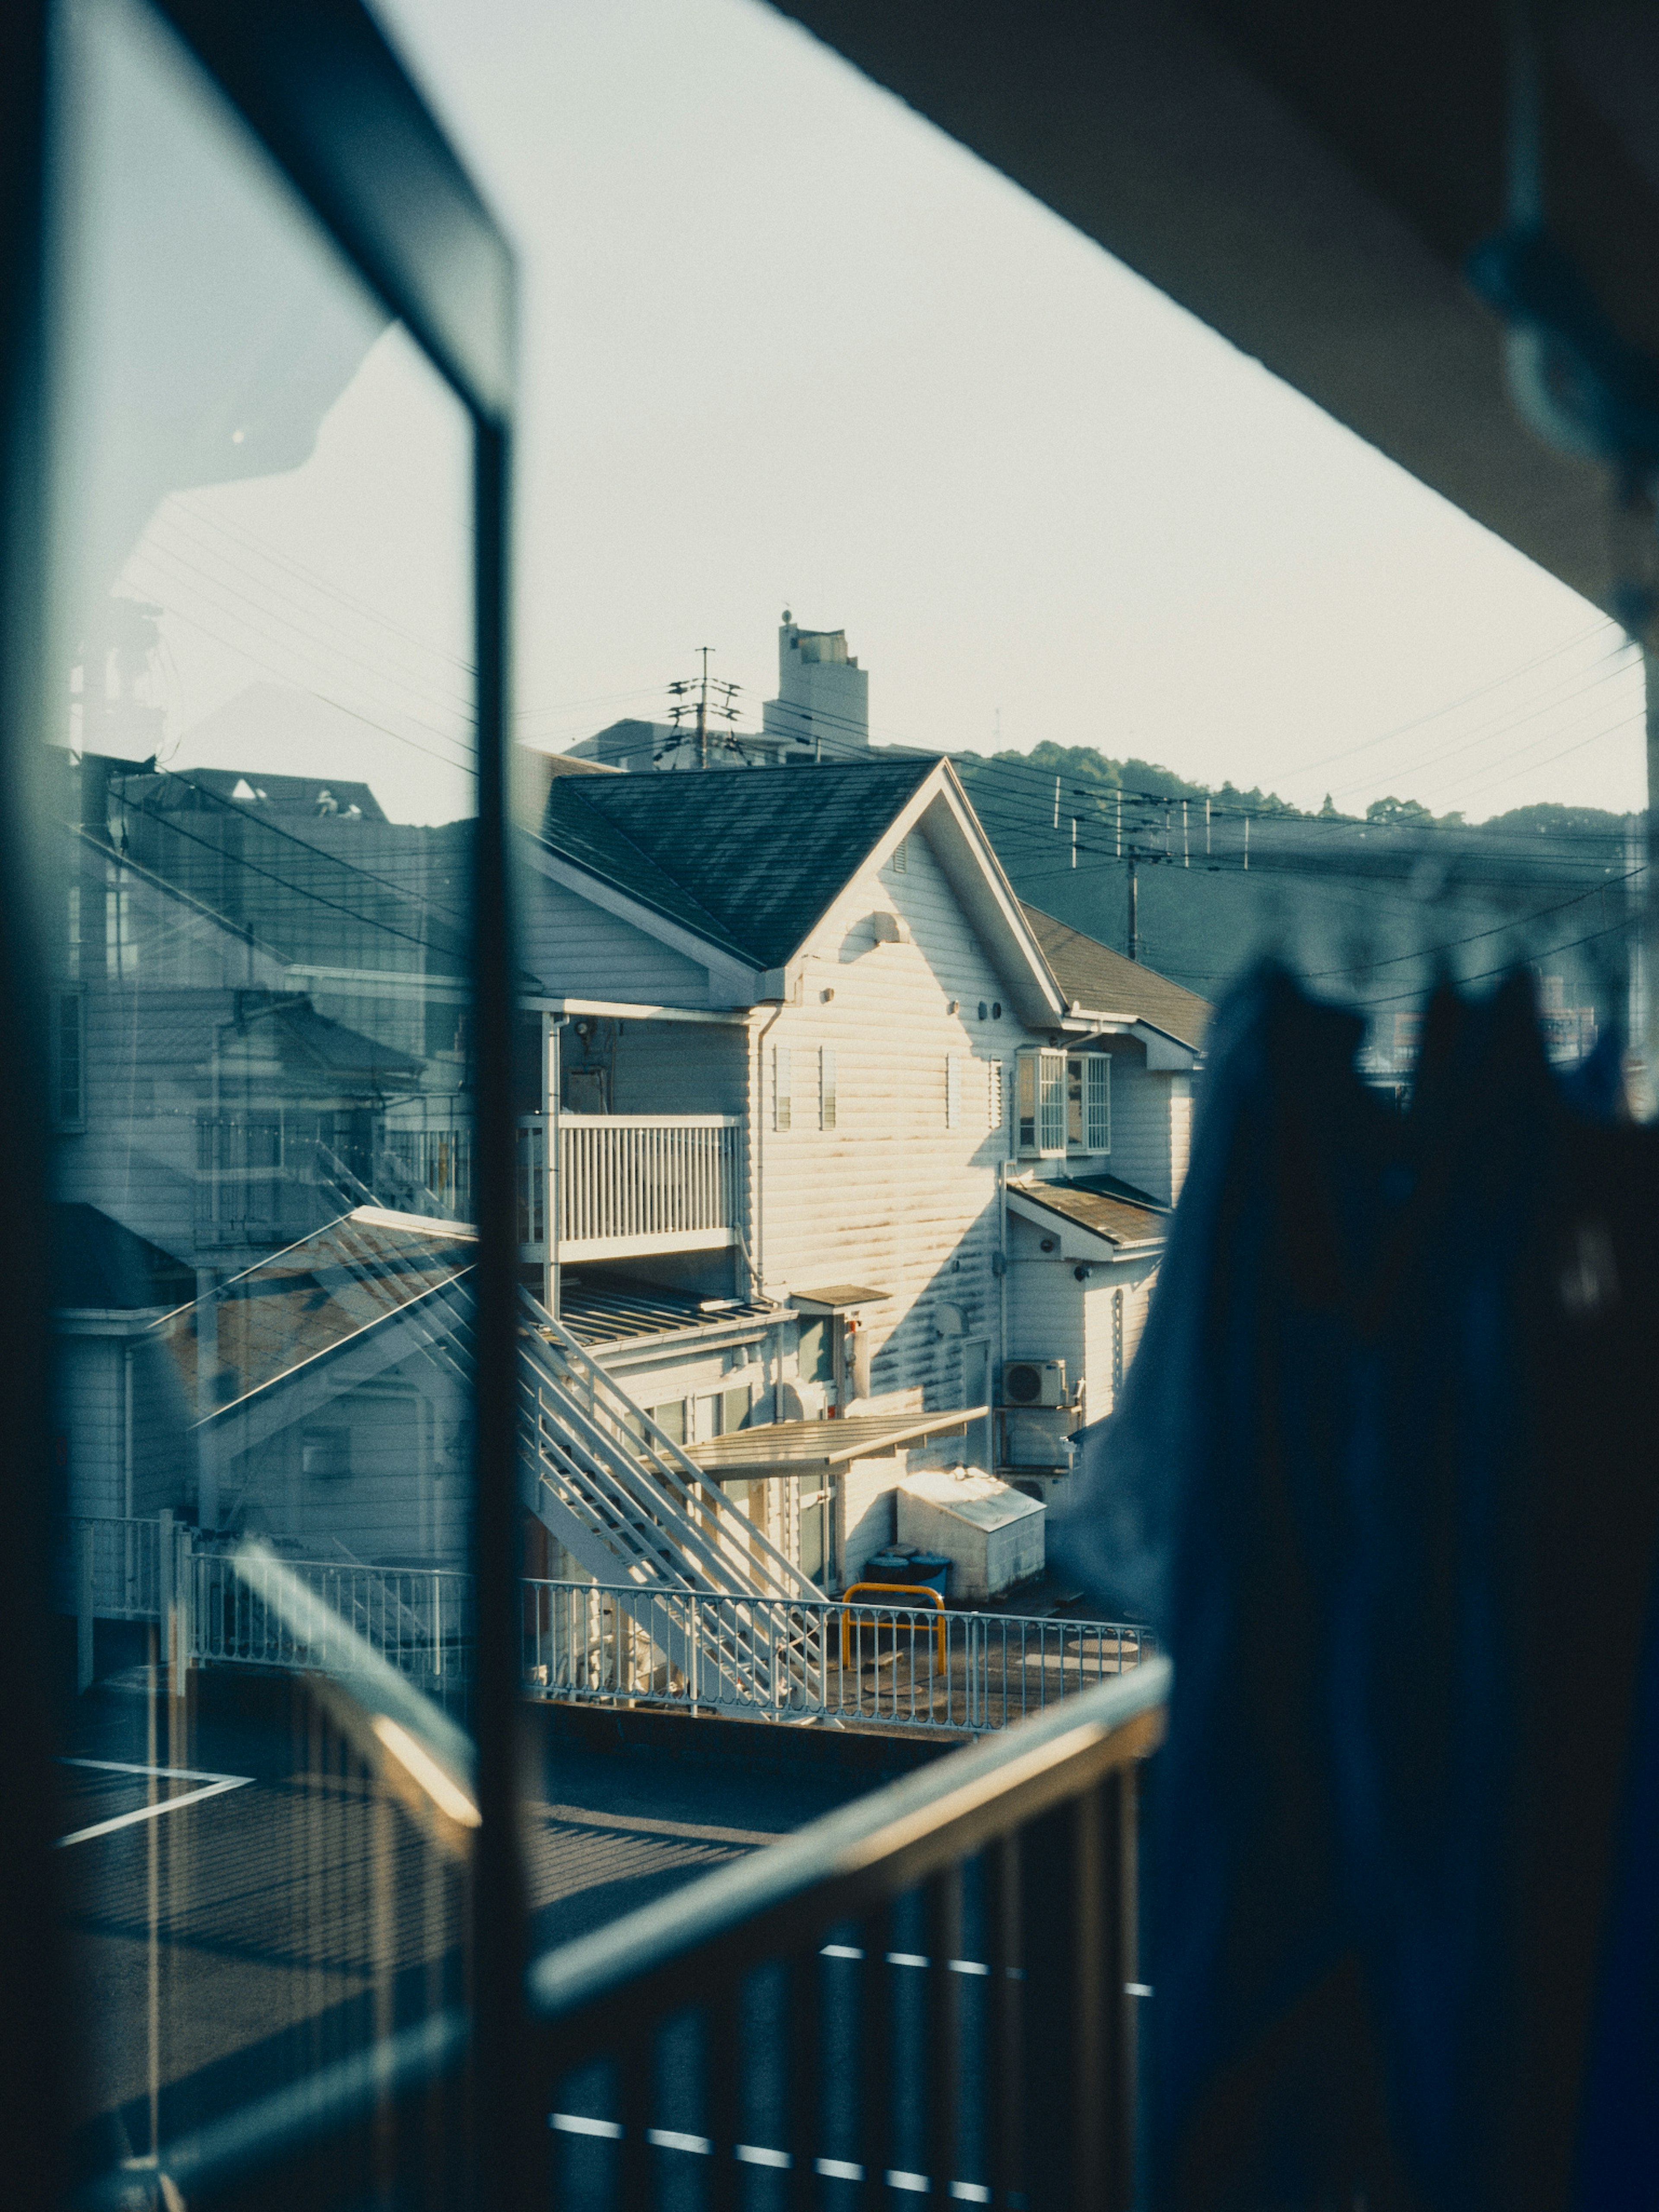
{"x":1085,"y":1237}
{"x":806,"y":1039}
{"x":823,"y":1124}
{"x":257,"y":1022}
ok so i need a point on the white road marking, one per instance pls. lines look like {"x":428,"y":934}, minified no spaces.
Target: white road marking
{"x":215,"y":1786}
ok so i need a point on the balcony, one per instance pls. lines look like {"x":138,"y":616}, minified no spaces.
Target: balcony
{"x":632,"y":1184}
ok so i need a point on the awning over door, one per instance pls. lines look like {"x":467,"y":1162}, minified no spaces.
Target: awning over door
{"x":818,"y":1447}
{"x":839,"y":1297}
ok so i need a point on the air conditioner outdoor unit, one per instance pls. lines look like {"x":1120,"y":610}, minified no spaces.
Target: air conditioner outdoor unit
{"x":1033,"y":1382}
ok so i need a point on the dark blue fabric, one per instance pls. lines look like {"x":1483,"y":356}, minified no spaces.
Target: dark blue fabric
{"x":1348,"y":1487}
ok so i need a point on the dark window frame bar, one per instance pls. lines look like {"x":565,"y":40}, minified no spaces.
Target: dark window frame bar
{"x":318,"y":86}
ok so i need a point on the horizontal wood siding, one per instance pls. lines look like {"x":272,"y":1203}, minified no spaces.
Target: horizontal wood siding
{"x":1141,"y":1124}
{"x":1181,"y":1130}
{"x":407,"y":1493}
{"x":89,"y":1409}
{"x":578,"y":950}
{"x":890,"y":1197}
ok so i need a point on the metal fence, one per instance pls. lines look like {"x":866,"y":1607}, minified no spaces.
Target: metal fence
{"x":897,"y":1666}
{"x":863,"y":1662}
{"x":418,"y":1620}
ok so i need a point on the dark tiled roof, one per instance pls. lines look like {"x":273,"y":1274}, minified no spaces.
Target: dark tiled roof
{"x":1102,"y":981}
{"x":98,"y":1262}
{"x":615,"y":1313}
{"x":750,"y":861}
{"x":283,"y":794}
{"x":1117,"y":1219}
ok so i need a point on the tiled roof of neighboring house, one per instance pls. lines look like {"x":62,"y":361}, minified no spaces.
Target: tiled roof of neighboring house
{"x":1136,"y":1220}
{"x":613,"y":1312}
{"x":98,"y":1262}
{"x":1102,"y":981}
{"x":284,"y":794}
{"x":305,"y":1301}
{"x":339,"y":1050}
{"x":750,"y":862}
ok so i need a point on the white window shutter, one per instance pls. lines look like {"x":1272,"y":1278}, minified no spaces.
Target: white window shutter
{"x":826,"y":1087}
{"x":1051,"y":1103}
{"x":993,"y":1094}
{"x":952,"y":1090}
{"x":780,"y":1095}
{"x":1097,"y":1102}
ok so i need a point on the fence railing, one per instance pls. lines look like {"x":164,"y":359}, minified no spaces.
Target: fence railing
{"x":661,"y":1179}
{"x":419,"y":1619}
{"x":781,"y":1658}
{"x":933,"y":1992}
{"x":896,"y":1666}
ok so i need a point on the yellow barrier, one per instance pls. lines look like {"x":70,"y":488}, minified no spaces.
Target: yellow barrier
{"x":891,"y":1590}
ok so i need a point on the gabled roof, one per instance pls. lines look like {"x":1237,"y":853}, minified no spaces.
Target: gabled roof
{"x":749,"y":862}
{"x":318,"y":1295}
{"x":280,"y":795}
{"x":1092,"y":975}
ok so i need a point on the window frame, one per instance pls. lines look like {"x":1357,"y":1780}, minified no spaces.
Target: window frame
{"x":1040,"y":1073}
{"x":392,"y":197}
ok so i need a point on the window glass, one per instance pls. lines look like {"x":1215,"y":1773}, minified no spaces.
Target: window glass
{"x":261,"y":780}
{"x":1051,"y":1078}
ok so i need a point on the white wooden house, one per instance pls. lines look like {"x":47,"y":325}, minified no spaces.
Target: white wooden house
{"x":813,"y":1073}
{"x":820,"y":1126}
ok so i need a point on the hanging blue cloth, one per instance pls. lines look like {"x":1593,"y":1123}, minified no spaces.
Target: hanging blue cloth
{"x":1350,"y":1486}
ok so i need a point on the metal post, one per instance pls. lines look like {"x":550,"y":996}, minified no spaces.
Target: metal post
{"x":83,"y":1615}
{"x":166,"y":1564}
{"x":1647,"y":1043}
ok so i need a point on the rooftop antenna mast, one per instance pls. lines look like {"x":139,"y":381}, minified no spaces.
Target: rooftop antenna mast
{"x":706,"y":699}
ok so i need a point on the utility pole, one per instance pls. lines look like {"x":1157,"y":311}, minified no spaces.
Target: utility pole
{"x":1135,"y":912}
{"x":723,"y":707}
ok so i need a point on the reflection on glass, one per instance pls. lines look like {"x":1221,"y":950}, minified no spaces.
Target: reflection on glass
{"x":263,"y":785}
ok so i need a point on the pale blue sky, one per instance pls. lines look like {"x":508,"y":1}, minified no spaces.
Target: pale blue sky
{"x":786,"y":343}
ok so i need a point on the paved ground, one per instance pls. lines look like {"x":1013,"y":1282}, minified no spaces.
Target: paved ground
{"x":265,"y":1905}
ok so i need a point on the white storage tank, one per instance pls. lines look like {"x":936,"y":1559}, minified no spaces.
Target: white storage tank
{"x":991,"y":1533}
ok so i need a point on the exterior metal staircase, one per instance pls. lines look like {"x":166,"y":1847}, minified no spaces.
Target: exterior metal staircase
{"x":632,"y":1508}
{"x":629,"y":1504}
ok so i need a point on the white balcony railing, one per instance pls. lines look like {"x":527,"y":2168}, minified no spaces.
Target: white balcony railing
{"x":632,"y":1184}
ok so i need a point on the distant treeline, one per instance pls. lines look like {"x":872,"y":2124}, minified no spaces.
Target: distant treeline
{"x":1086,"y":774}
